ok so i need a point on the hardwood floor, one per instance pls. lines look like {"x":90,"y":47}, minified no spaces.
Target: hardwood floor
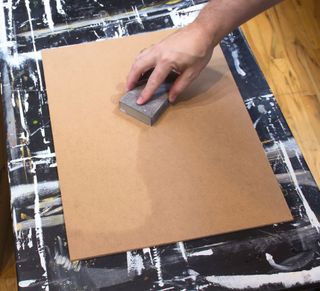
{"x":8,"y":278}
{"x":286,"y":43}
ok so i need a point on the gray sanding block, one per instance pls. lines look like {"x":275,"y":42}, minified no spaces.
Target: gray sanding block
{"x":150,"y":111}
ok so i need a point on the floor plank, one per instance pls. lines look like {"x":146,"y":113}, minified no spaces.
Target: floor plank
{"x":8,"y":278}
{"x":286,"y":42}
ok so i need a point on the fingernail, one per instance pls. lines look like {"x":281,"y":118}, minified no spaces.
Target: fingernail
{"x":140,"y":101}
{"x":172,"y":99}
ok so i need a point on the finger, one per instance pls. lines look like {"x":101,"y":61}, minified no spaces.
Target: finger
{"x":157,"y":77}
{"x":182,"y":82}
{"x":140,"y":66}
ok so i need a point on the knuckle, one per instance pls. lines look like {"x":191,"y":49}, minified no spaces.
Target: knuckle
{"x":152,"y":82}
{"x":167,"y":59}
{"x":135,"y":66}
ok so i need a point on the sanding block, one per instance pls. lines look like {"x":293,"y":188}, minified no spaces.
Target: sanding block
{"x":149,"y":112}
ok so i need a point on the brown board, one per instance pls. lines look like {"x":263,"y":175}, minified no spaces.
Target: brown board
{"x":199,"y":171}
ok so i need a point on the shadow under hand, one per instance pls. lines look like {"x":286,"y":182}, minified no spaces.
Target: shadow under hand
{"x":195,"y":93}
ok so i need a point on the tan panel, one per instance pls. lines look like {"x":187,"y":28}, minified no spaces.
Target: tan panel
{"x":200,"y":170}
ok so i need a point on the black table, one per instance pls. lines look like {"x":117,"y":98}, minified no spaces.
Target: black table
{"x":275,"y":257}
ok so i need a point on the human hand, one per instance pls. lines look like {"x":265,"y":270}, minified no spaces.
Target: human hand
{"x":186,"y":52}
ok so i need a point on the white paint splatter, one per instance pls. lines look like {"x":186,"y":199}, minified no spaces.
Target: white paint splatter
{"x":101,"y":5}
{"x":134,"y":263}
{"x":60,"y":7}
{"x":66,"y":263}
{"x":287,"y":280}
{"x":39,"y":234}
{"x":47,"y":10}
{"x":137,"y":15}
{"x":182,"y":17}
{"x":183,"y":251}
{"x":22,"y":118}
{"x":256,"y":122}
{"x":262,"y":109}
{"x":311,"y":215}
{"x":26,"y":283}
{"x":236,"y":61}
{"x":29,"y":240}
{"x":3,"y":31}
{"x":202,"y":253}
{"x":27,"y":4}
{"x":157,"y":261}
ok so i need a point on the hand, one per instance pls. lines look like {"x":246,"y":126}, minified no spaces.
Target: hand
{"x":186,"y":52}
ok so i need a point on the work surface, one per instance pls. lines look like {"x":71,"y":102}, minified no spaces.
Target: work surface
{"x":237,"y":258}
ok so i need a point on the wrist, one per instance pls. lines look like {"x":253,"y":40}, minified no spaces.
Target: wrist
{"x":210,"y":30}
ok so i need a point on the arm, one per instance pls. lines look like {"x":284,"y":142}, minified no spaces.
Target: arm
{"x":189,"y":50}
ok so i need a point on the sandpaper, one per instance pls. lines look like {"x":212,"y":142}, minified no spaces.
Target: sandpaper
{"x":199,"y":171}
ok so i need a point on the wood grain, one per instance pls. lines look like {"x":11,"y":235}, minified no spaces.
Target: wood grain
{"x":8,"y":278}
{"x":286,"y":43}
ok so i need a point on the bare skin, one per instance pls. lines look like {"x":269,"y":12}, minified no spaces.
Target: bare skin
{"x":188,"y":50}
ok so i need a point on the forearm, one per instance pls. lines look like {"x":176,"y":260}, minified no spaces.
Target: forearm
{"x":220,"y":17}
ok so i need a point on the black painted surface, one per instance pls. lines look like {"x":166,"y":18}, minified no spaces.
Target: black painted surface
{"x":42,"y":253}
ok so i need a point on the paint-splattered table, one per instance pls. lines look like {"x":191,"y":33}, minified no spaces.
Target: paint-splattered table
{"x":279,"y":256}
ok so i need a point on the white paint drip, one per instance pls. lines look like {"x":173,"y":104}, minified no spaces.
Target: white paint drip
{"x":26,"y":283}
{"x":22,"y":119}
{"x":185,"y":16}
{"x":287,"y":280}
{"x":157,"y":261}
{"x":202,"y":253}
{"x":60,"y":7}
{"x":25,"y":102}
{"x":66,"y":263}
{"x":101,"y":5}
{"x":311,"y":215}
{"x":256,"y":122}
{"x":183,"y":250}
{"x":29,"y":240}
{"x":273,"y":264}
{"x":27,"y":4}
{"x":134,"y":263}
{"x":137,"y":15}
{"x":10,"y":22}
{"x":97,"y":36}
{"x":3,"y":31}
{"x":236,"y":61}
{"x":43,"y":133}
{"x":39,"y":234}
{"x":47,"y":10}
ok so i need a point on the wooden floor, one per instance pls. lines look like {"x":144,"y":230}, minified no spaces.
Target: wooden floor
{"x":8,"y":280}
{"x":286,"y":43}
